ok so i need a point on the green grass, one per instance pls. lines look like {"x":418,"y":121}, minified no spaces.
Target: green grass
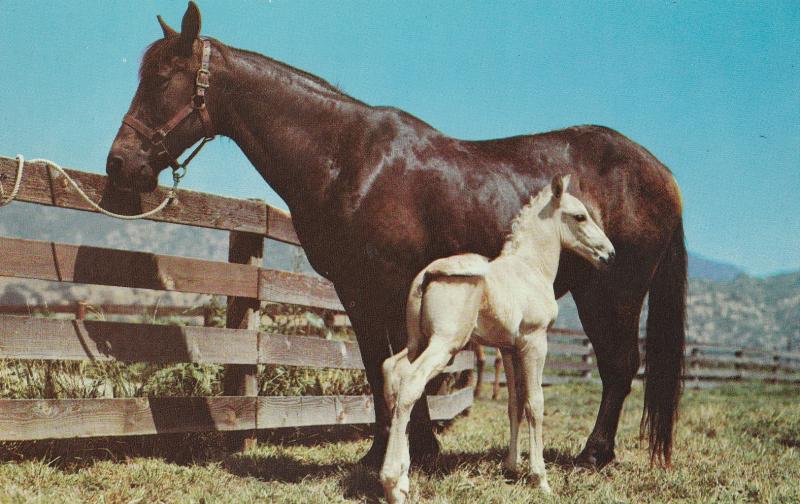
{"x":734,"y":444}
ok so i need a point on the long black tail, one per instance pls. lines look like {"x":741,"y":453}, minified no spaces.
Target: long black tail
{"x":664,"y":349}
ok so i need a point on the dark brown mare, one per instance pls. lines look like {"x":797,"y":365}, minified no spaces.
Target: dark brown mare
{"x":376,"y":194}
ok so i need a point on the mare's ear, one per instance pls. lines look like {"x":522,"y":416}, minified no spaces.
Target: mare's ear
{"x":565,"y":181}
{"x":557,"y":186}
{"x":167,"y":29}
{"x":190,"y":29}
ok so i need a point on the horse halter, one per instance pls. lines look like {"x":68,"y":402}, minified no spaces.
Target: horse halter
{"x":158,"y":135}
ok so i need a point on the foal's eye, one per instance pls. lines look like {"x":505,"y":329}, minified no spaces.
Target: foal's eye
{"x":580,"y":217}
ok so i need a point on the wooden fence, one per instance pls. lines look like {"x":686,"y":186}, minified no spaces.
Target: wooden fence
{"x":706,"y":364}
{"x":240,"y":346}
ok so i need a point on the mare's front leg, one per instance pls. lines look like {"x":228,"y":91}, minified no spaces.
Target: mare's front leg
{"x":532,"y":354}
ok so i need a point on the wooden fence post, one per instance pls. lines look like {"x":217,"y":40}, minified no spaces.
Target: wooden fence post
{"x":775,"y":368}
{"x":737,"y":365}
{"x":243,"y":313}
{"x":80,"y":310}
{"x":587,"y":359}
{"x":694,"y":365}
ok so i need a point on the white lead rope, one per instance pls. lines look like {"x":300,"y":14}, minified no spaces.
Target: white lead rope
{"x":6,"y":200}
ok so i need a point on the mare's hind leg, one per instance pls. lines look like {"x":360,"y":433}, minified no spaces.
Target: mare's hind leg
{"x":613,"y":328}
{"x":532,"y":355}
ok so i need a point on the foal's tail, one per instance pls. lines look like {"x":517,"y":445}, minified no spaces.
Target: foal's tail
{"x":664,"y":348}
{"x":462,"y":265}
{"x":413,"y":314}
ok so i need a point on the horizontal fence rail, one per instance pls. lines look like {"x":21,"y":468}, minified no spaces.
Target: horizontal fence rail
{"x":46,"y":186}
{"x":31,"y":419}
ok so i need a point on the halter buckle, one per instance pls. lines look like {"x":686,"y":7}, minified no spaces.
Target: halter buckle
{"x":202,"y":80}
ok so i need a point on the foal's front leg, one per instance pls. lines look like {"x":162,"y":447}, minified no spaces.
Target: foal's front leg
{"x":533,"y":352}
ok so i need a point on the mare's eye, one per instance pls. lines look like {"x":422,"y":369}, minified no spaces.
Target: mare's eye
{"x":160,"y":81}
{"x":580,"y":217}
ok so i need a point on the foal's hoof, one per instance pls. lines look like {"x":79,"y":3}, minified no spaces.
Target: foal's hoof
{"x":395,"y":488}
{"x":595,"y":458}
{"x":510,"y":467}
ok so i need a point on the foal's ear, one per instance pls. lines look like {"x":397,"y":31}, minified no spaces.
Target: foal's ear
{"x":190,"y":29}
{"x":557,"y":186}
{"x":167,"y":29}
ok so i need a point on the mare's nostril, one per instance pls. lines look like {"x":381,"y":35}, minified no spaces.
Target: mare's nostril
{"x":114,"y":166}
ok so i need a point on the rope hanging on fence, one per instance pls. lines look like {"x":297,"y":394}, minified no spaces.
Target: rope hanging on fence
{"x":176,"y":177}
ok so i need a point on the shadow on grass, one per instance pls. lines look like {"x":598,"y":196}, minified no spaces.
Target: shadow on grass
{"x":180,"y":448}
{"x":73,"y":454}
{"x":355,"y":480}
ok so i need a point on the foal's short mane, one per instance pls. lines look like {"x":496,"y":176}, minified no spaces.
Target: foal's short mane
{"x":521,"y":224}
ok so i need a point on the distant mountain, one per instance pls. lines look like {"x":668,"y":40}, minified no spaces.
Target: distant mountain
{"x":725,"y":305}
{"x":707,"y":269}
{"x":746,"y":311}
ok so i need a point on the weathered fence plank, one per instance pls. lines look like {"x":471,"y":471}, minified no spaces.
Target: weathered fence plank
{"x":308,"y":351}
{"x":296,"y":288}
{"x":302,"y":411}
{"x":48,"y":187}
{"x":123,"y":268}
{"x":445,"y":407}
{"x":40,"y":338}
{"x":29,"y":419}
{"x":51,"y":339}
{"x":280,"y":227}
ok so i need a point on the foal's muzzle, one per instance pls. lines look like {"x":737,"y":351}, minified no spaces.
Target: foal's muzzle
{"x":608,"y":260}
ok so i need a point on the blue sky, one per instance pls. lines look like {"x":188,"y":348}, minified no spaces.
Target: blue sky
{"x":711,"y":88}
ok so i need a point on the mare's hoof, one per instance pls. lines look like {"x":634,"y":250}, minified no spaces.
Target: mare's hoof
{"x":423,"y":453}
{"x":595,"y":458}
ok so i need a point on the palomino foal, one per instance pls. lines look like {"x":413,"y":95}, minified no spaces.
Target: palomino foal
{"x":506,"y":303}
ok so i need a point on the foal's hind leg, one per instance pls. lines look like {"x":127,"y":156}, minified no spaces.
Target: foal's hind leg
{"x":532,"y":354}
{"x":516,"y":400}
{"x":393,"y":369}
{"x":450,"y":313}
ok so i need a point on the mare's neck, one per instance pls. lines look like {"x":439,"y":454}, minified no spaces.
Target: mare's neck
{"x":535,"y":240}
{"x":288,"y":123}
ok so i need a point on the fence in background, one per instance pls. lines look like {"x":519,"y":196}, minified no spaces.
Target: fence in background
{"x":240,"y":346}
{"x":706,"y":364}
